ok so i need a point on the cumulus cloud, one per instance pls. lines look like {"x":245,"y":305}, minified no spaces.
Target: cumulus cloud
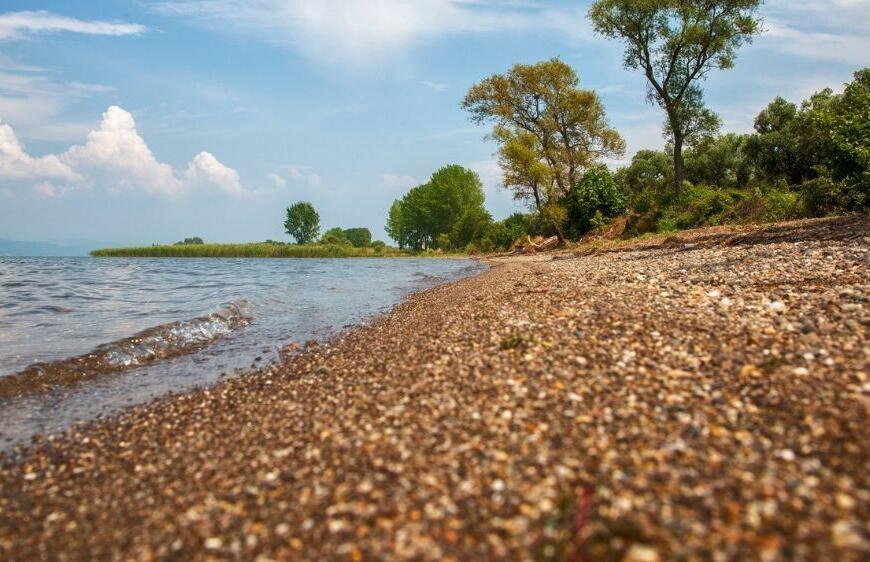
{"x":19,"y":25}
{"x":207,"y":169}
{"x":114,"y":156}
{"x":17,"y":164}
{"x":365,"y":31}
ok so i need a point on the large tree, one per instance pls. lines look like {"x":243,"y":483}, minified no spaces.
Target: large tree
{"x":676,"y":43}
{"x":303,"y":222}
{"x":549,"y":130}
{"x":445,"y":211}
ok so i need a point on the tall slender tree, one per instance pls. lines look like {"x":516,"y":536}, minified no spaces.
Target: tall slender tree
{"x":676,"y":43}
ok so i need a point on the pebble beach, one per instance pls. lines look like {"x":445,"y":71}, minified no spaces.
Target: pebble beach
{"x":703,"y":396}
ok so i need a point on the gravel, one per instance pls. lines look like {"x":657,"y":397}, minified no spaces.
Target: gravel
{"x":701,"y":397}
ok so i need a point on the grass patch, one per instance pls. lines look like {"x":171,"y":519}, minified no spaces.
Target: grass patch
{"x":254,"y":250}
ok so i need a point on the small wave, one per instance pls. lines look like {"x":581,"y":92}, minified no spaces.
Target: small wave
{"x":153,"y":344}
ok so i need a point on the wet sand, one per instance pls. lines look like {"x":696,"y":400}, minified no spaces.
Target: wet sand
{"x":701,"y":397}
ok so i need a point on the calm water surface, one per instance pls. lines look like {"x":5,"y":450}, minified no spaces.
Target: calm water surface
{"x":202,"y":318}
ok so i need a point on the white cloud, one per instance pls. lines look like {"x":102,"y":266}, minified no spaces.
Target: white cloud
{"x":397,"y":182}
{"x":365,"y":31}
{"x":115,"y":157}
{"x":18,"y":25}
{"x":205,"y":168}
{"x":277,"y":180}
{"x":435,"y":86}
{"x":17,"y":164}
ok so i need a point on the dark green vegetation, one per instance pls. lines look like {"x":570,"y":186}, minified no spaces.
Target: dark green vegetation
{"x":193,"y":240}
{"x":255,"y":250}
{"x":303,"y":222}
{"x":446,"y":212}
{"x":805,"y":160}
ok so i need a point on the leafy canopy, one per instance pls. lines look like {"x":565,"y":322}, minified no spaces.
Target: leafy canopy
{"x":302,"y":223}
{"x":549,"y":130}
{"x":428,"y":215}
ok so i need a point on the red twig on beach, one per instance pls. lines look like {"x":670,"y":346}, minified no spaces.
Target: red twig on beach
{"x":581,"y":519}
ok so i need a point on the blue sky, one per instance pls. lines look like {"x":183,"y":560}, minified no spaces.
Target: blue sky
{"x":139,"y":122}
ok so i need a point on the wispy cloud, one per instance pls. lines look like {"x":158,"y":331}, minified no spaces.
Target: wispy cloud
{"x":435,"y":86}
{"x":366,"y":31}
{"x":826,"y":30}
{"x":15,"y":26}
{"x":304,"y":174}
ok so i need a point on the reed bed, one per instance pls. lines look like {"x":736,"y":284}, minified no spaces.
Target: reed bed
{"x":255,"y":250}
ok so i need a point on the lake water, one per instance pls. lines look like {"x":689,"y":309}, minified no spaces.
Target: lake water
{"x":157,"y":325}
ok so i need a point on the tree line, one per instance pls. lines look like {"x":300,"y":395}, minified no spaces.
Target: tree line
{"x":303,"y":224}
{"x":553,"y":136}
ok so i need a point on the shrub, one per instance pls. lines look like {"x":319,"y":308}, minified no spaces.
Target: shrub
{"x":503,"y":234}
{"x":359,"y":237}
{"x":700,"y":205}
{"x":598,"y":192}
{"x":779,"y":203}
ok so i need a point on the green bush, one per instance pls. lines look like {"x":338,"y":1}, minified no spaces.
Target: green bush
{"x":779,"y":203}
{"x":360,"y":237}
{"x":503,"y":234}
{"x":701,"y":205}
{"x":597,"y":193}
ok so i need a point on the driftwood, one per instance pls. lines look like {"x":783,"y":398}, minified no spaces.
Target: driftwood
{"x":538,"y":245}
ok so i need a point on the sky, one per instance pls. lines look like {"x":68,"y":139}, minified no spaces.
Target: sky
{"x":128,"y":122}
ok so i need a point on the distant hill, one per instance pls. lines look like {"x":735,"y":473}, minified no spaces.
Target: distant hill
{"x":28,"y":248}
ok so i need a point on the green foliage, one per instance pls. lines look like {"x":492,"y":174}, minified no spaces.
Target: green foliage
{"x":720,"y":161}
{"x":441,"y":213}
{"x":503,"y":234}
{"x":360,"y":237}
{"x":700,"y":205}
{"x":598,"y":196}
{"x":675,"y":45}
{"x":334,"y":235}
{"x":378,"y":245}
{"x":472,"y":226}
{"x":549,"y":131}
{"x":846,"y":121}
{"x":395,"y":226}
{"x":193,"y":240}
{"x":302,"y":223}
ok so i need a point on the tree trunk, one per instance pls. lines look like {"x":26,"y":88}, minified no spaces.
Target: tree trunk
{"x":537,"y":198}
{"x":678,"y":164}
{"x":559,"y":234}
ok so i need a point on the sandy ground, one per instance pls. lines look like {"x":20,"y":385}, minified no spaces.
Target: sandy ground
{"x":702,"y":397}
